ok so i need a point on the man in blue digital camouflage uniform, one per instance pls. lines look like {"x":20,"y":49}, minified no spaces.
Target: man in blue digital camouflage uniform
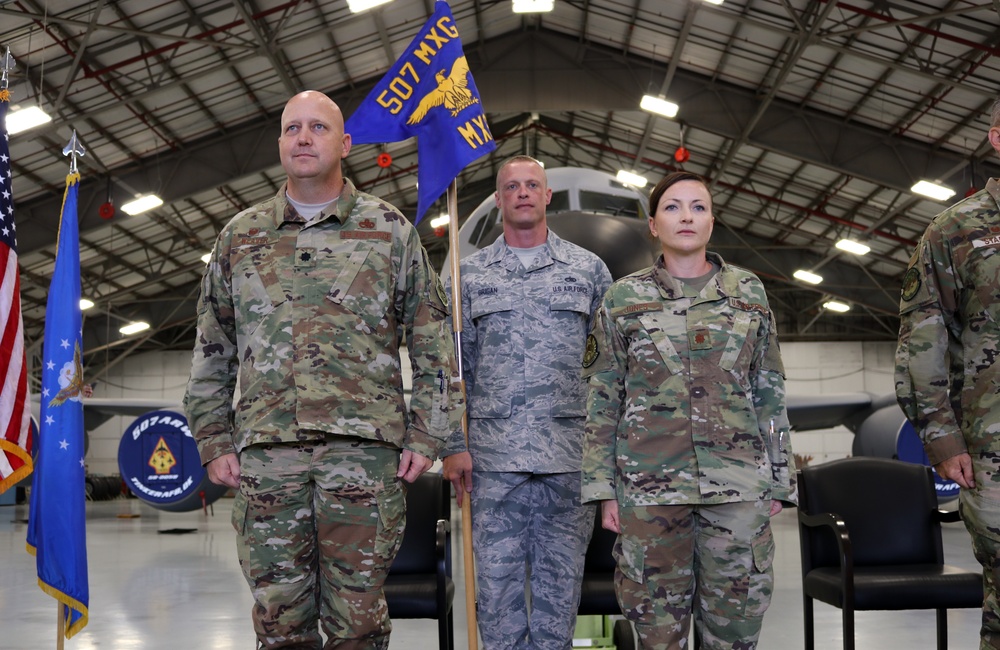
{"x":527,"y":304}
{"x":296,"y":393}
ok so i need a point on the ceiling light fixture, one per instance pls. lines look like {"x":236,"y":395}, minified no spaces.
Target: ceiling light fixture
{"x":714,"y":2}
{"x":933,"y":190}
{"x":440,"y":222}
{"x":134,"y":327}
{"x":357,"y":6}
{"x":658,"y":105}
{"x":206,"y":257}
{"x":26,"y":118}
{"x":807,"y":276}
{"x":85,"y":304}
{"x":142,"y":204}
{"x":533,"y":6}
{"x":851,"y":246}
{"x":631,"y":178}
{"x":836,"y":305}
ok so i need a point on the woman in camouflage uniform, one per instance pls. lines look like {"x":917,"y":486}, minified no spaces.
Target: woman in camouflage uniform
{"x":687,"y":433}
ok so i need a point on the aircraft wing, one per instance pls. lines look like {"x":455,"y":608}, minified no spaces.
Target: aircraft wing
{"x":807,"y":412}
{"x":98,"y":410}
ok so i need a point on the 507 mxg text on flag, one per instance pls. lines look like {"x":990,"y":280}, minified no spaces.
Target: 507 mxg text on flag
{"x":429,"y":93}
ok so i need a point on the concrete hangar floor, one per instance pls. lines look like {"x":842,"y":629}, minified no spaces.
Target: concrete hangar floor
{"x":152,"y":590}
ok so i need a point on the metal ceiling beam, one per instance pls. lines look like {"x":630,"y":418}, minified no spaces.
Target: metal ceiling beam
{"x":198,"y":39}
{"x":539,"y":72}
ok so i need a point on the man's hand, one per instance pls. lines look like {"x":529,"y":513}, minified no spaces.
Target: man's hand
{"x":412,"y":465}
{"x":775,"y":507}
{"x":458,"y":470}
{"x":958,"y":469}
{"x":224,"y":470}
{"x":609,"y":516}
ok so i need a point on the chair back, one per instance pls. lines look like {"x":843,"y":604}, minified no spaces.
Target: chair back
{"x":599,"y":558}
{"x":887,"y":505}
{"x":426,"y":502}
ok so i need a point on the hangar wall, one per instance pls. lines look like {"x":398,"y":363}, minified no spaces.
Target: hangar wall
{"x":812,"y":369}
{"x":827,"y":368}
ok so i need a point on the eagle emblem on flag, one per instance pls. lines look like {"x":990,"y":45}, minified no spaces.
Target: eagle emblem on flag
{"x":452,"y":91}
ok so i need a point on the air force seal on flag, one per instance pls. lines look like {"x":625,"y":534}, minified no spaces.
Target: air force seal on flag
{"x":429,"y":93}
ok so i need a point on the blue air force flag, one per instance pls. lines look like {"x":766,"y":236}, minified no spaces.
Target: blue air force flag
{"x":56,"y":533}
{"x":428,"y":93}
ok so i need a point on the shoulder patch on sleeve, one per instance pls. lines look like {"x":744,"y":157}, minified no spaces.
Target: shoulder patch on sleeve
{"x":911,"y":284}
{"x":590,"y":354}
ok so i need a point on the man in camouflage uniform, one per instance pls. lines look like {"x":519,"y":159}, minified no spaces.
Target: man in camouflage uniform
{"x":302,"y":307}
{"x":527,"y":303}
{"x":686,"y":443}
{"x":947,"y":376}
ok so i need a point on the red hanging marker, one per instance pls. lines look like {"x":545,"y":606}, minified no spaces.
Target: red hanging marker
{"x":384,"y":160}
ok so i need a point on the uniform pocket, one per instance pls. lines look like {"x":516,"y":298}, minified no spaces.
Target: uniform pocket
{"x":492,"y":389}
{"x":391,"y":503}
{"x":630,"y":556}
{"x":239,"y":514}
{"x":761,"y":577}
{"x":361,"y":286}
{"x":239,"y":519}
{"x":253,"y":300}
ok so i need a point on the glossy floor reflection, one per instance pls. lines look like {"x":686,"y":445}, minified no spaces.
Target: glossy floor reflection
{"x":155,"y":591}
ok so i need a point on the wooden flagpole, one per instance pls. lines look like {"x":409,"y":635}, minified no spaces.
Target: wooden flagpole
{"x":60,"y":625}
{"x":468,"y":561}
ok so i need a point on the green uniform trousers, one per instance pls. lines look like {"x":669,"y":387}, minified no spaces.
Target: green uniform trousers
{"x":318,"y":525}
{"x":712,"y":561}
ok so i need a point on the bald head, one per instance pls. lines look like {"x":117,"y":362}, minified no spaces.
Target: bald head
{"x":312,"y":145}
{"x":317,"y":101}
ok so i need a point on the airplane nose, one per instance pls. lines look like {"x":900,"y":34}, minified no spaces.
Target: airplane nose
{"x":622,"y":242}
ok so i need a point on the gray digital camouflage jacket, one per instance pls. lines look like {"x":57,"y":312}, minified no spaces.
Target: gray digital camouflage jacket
{"x":523,"y":336}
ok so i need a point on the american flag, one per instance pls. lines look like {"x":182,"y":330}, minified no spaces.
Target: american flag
{"x":15,"y":415}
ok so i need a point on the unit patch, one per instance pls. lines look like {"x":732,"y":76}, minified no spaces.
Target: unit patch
{"x":590,"y":354}
{"x":911,"y":283}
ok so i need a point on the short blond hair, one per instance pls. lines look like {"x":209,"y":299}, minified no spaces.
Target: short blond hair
{"x":520,"y":158}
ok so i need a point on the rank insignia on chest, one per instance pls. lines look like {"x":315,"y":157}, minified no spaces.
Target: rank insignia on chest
{"x":305,"y":257}
{"x":700,"y":338}
{"x":590,"y":354}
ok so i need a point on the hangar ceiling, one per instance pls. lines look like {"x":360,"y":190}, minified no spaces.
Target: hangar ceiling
{"x":811,"y":118}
